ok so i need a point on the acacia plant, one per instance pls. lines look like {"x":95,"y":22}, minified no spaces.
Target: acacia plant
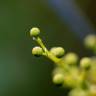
{"x":78,"y":75}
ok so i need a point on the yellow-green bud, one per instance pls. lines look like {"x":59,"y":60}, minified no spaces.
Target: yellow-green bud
{"x":85,"y":62}
{"x":79,"y":92}
{"x":90,"y":41}
{"x":57,"y":51}
{"x":58,"y":79}
{"x":34,"y":32}
{"x":37,"y":51}
{"x":71,"y":58}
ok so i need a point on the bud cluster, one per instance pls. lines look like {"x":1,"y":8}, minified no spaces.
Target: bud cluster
{"x":78,"y":75}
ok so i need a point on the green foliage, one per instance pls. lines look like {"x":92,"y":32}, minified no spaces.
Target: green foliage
{"x":80,"y":79}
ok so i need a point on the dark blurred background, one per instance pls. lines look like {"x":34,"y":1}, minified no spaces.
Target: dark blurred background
{"x":62,"y":22}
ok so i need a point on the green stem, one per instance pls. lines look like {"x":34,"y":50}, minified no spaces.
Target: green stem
{"x":53,"y":58}
{"x":46,"y":52}
{"x":39,"y":41}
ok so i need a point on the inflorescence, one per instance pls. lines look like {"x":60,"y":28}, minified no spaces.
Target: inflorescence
{"x":70,"y":72}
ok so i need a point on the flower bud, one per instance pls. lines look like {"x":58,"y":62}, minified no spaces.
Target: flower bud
{"x":37,"y":51}
{"x":57,"y":51}
{"x":90,"y":41}
{"x":71,"y":58}
{"x":58,"y":79}
{"x":79,"y":92}
{"x":34,"y":32}
{"x":85,"y":63}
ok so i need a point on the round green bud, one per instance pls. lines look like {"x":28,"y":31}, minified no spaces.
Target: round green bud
{"x":85,"y":62}
{"x":71,"y":58}
{"x":58,"y":79}
{"x":34,"y":32}
{"x":79,"y":92}
{"x":57,"y":51}
{"x":90,"y":41}
{"x":37,"y":51}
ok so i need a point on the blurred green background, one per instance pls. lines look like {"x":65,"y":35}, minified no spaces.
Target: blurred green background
{"x":21,"y":74}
